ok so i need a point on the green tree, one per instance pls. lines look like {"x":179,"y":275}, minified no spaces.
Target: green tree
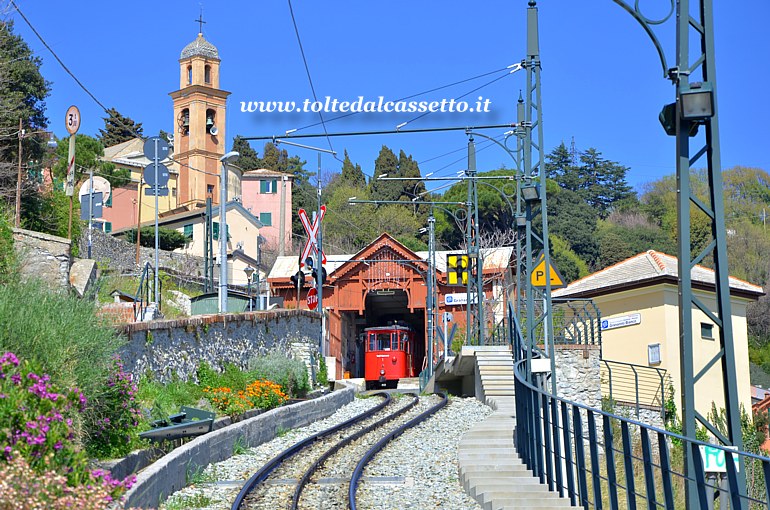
{"x":22,"y":96}
{"x":88,"y":153}
{"x":248,"y":159}
{"x":599,"y":182}
{"x":572,"y":219}
{"x":118,"y":129}
{"x":168,"y":238}
{"x":495,"y":211}
{"x":351,"y":174}
{"x":386,"y":163}
{"x":571,"y":266}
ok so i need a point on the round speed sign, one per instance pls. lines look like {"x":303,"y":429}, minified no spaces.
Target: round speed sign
{"x":72,"y":119}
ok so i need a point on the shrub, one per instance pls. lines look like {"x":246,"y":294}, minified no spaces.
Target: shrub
{"x":7,"y":253}
{"x":112,"y":429}
{"x":257,"y":395}
{"x":22,"y":487}
{"x":291,"y":374}
{"x":168,"y":238}
{"x":38,"y":437}
{"x":60,"y":333}
{"x":37,"y":416}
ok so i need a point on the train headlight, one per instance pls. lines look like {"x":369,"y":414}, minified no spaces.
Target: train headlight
{"x":393,"y":359}
{"x":382,"y":371}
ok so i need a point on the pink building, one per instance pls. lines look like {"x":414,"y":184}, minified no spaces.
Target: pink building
{"x":267,"y":195}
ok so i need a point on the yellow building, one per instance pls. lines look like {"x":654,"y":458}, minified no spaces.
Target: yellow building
{"x":638,"y":300}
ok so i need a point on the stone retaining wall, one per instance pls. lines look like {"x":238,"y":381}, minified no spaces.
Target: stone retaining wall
{"x":578,"y":374}
{"x":173,"y":348}
{"x":120,"y":256}
{"x":43,"y":256}
{"x":169,"y":474}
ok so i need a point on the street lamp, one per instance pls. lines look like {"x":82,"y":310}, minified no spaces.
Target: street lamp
{"x":530,"y":191}
{"x":249,"y":272}
{"x":227,"y":158}
{"x":697,"y":101}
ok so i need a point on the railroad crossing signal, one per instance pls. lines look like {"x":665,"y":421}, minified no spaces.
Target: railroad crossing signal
{"x":538,"y":277}
{"x":458,"y":269}
{"x":311,"y":245}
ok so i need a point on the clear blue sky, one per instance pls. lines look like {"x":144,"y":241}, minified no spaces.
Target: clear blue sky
{"x":602,"y":80}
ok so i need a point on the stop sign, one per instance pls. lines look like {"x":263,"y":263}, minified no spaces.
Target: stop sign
{"x":312,"y":298}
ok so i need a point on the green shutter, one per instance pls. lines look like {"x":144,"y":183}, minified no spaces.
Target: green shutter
{"x":263,"y":187}
{"x":108,"y":203}
{"x":188,"y":231}
{"x":215,"y":230}
{"x":275,"y":187}
{"x":266,"y":218}
{"x":107,"y":227}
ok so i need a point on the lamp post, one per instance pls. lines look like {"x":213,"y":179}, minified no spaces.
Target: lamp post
{"x":696,"y":106}
{"x":227,"y":158}
{"x":249,"y":272}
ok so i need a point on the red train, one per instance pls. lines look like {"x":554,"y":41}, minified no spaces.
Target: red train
{"x":389,"y":355}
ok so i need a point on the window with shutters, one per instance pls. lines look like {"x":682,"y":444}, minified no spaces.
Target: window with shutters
{"x":188,"y":231}
{"x":266,"y":218}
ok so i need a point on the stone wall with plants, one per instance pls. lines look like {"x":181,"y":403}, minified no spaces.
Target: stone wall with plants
{"x":174,"y":348}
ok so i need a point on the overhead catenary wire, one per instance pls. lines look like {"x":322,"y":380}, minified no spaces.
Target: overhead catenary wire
{"x":418,"y":94}
{"x":309,"y":78}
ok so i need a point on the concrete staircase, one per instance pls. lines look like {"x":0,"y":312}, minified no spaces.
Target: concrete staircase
{"x":490,"y":468}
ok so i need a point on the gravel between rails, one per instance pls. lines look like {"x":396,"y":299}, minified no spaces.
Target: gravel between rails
{"x":418,"y":470}
{"x":278,"y":489}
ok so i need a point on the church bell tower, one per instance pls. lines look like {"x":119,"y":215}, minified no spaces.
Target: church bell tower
{"x":199,"y":122}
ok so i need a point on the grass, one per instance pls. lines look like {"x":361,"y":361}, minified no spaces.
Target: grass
{"x":240,"y":446}
{"x":198,"y":474}
{"x":61,"y":333}
{"x":198,"y":500}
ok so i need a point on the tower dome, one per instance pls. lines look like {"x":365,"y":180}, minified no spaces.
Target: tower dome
{"x":200,"y":47}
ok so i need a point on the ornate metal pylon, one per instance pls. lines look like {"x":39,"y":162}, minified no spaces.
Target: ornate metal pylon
{"x":697,"y":25}
{"x":475,"y":288}
{"x":535,"y":178}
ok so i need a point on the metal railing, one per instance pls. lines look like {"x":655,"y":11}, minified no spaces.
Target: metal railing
{"x":576,"y":321}
{"x":637,"y":386}
{"x":499,"y":334}
{"x":145,"y":292}
{"x":598,"y":460}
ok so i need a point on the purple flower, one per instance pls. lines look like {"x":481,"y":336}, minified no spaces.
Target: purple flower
{"x":9,"y":357}
{"x":16,"y":379}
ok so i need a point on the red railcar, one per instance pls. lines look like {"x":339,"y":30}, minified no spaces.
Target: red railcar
{"x":389,"y":355}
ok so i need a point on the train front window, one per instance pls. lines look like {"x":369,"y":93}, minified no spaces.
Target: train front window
{"x":383,"y":341}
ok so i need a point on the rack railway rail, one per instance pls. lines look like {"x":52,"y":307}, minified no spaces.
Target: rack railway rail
{"x":318,"y":469}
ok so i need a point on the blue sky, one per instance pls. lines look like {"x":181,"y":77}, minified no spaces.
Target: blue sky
{"x":602,"y":80}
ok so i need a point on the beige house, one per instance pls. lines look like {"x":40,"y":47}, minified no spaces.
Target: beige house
{"x":638,"y":300}
{"x":243,"y":234}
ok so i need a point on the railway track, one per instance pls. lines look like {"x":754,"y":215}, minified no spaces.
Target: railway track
{"x":317,"y":472}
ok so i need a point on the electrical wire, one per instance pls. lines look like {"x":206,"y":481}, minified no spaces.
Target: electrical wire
{"x":411,"y":96}
{"x":309,"y":78}
{"x":459,"y":97}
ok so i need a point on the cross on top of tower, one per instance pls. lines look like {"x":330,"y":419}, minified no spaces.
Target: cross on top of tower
{"x":200,"y":22}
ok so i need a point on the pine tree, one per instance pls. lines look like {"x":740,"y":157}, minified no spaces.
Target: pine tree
{"x":274,"y":158}
{"x":352,"y":175}
{"x":248,"y":159}
{"x":118,"y":129}
{"x":386,"y":163}
{"x":22,"y":96}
